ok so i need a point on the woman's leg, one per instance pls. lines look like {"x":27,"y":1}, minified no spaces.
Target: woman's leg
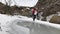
{"x":34,"y":17}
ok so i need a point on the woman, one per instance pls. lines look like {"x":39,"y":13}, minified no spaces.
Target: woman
{"x":34,"y":13}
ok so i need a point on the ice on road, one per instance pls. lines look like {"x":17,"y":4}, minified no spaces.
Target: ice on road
{"x":23,"y":25}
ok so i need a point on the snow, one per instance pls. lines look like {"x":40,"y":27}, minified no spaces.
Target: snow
{"x":6,"y":25}
{"x":23,"y":25}
{"x":3,"y":32}
{"x":58,"y":13}
{"x":26,"y":3}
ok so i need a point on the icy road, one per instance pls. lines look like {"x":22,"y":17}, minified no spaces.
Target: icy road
{"x":24,"y":25}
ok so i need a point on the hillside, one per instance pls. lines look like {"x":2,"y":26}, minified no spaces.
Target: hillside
{"x":48,"y":7}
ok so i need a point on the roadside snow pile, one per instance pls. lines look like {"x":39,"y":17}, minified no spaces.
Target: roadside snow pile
{"x":8,"y":24}
{"x":4,"y":20}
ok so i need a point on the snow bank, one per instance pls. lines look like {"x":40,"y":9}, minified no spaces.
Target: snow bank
{"x":7,"y":25}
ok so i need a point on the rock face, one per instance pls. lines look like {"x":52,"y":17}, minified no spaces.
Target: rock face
{"x":48,"y":6}
{"x":55,"y":19}
{"x":4,"y":9}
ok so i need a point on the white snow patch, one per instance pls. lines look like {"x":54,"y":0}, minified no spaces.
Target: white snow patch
{"x":26,"y":3}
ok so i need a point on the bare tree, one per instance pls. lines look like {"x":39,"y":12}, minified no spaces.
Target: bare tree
{"x":14,"y":1}
{"x":8,"y":2}
{"x":7,"y":7}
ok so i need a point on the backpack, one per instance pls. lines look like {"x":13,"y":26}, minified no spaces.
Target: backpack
{"x":35,"y":13}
